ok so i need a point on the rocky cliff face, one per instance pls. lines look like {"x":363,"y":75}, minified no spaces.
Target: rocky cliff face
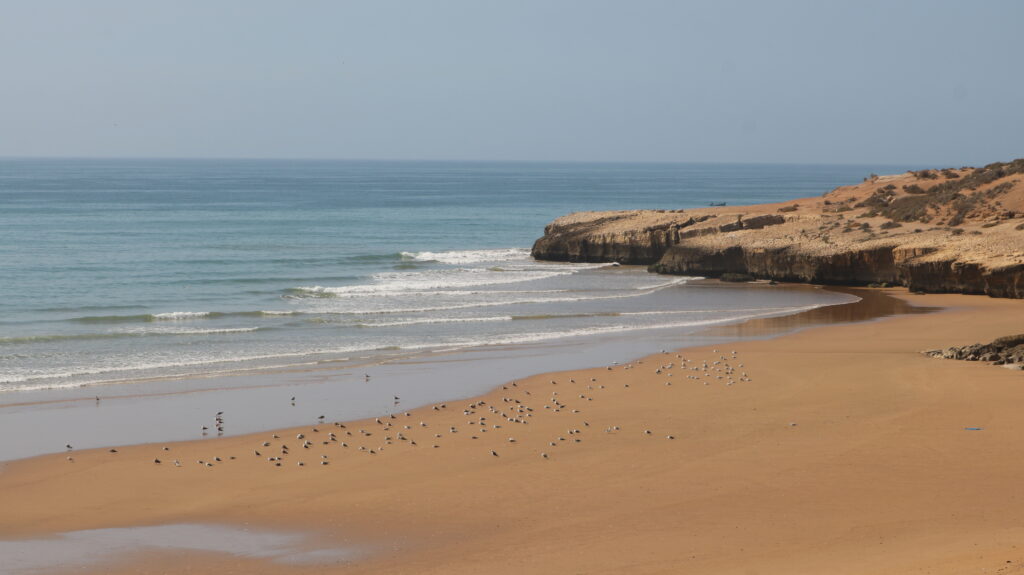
{"x":879,"y":265}
{"x":950,"y":231}
{"x":598,"y":240}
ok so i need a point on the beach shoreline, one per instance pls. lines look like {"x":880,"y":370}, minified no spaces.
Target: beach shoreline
{"x":844,"y":435}
{"x":179,"y":409}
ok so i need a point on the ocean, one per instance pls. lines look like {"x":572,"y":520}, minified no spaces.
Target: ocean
{"x":114,"y":272}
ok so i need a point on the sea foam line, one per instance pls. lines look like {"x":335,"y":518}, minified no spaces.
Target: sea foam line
{"x":34,"y":376}
{"x":420,"y":321}
{"x":395,"y":284}
{"x":394,"y":310}
{"x":462,"y":257}
{"x":458,"y":344}
{"x":142,"y":332}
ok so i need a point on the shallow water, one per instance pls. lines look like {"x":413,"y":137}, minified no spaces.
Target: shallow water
{"x":94,"y":547}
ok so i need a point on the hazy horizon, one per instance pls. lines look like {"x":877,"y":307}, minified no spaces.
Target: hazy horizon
{"x":452,"y":160}
{"x":928,"y":84}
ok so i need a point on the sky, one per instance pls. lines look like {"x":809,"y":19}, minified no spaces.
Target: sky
{"x":928,"y":83}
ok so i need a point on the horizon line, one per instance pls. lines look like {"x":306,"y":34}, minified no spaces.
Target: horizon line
{"x":456,"y":160}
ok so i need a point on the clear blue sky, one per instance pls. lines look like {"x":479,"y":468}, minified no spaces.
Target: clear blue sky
{"x":932,"y":83}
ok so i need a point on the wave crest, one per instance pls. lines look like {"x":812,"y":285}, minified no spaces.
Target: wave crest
{"x":464,"y":257}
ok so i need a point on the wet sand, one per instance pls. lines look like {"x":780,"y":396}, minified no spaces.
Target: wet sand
{"x":842,"y":450}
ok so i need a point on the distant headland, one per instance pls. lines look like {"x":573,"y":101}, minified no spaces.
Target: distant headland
{"x":938,"y":231}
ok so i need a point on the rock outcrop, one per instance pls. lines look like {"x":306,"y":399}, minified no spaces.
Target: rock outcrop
{"x":959,"y":231}
{"x":1007,"y":351}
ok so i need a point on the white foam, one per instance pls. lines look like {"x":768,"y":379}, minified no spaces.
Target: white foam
{"x":661,"y":285}
{"x":393,"y":310}
{"x":420,"y":321}
{"x":142,"y":366}
{"x":178,"y":315}
{"x":398,"y":283}
{"x":386,"y":305}
{"x":711,"y":311}
{"x":464,"y":257}
{"x":179,"y":331}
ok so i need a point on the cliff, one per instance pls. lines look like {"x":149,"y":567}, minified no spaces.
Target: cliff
{"x":947,"y":230}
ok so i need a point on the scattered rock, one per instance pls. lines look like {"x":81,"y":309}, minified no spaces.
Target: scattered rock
{"x":1007,"y":350}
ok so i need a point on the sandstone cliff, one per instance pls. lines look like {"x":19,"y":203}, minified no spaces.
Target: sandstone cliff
{"x":933,"y":231}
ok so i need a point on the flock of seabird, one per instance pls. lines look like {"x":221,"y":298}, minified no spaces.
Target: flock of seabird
{"x":515,"y":408}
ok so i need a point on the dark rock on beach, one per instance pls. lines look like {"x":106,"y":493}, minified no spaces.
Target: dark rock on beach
{"x":1008,"y":350}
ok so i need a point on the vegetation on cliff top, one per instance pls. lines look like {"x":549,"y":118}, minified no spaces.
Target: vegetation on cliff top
{"x":957,"y":198}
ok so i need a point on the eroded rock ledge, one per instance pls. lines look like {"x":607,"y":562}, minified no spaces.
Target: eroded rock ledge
{"x":948,"y":231}
{"x":1008,"y":351}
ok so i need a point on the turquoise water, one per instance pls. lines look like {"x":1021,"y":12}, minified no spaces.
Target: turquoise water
{"x":116,"y":270}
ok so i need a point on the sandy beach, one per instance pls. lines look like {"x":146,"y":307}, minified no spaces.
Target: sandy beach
{"x":836,"y":449}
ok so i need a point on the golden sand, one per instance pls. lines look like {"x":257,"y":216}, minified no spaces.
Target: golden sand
{"x":842,"y":450}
